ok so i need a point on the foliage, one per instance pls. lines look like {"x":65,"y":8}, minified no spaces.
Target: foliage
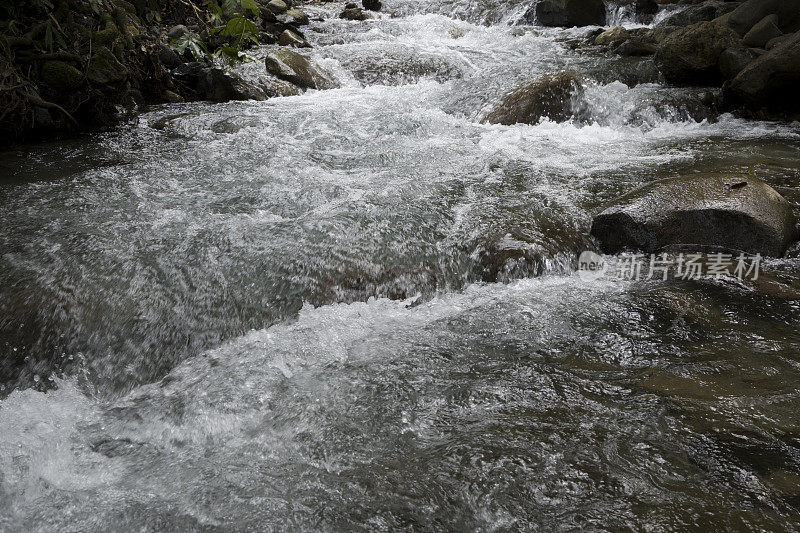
{"x":190,"y":42}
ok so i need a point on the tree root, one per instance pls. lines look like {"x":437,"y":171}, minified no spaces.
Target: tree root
{"x":37,"y":101}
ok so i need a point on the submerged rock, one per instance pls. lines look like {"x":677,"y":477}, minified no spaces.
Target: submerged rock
{"x":568,"y":13}
{"x":700,"y":211}
{"x":769,"y":82}
{"x":294,"y":68}
{"x":550,"y":96}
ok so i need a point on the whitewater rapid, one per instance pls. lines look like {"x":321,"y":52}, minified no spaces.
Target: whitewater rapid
{"x":298,"y":314}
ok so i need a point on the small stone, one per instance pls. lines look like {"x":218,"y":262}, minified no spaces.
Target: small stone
{"x":277,"y":6}
{"x":292,"y":67}
{"x":176,"y":32}
{"x":353,"y":13}
{"x":295,"y":16}
{"x":290,"y":38}
{"x":372,"y":5}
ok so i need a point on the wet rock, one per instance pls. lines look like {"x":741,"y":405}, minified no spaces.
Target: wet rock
{"x":568,"y":13}
{"x":615,"y":35}
{"x":212,"y":83}
{"x":372,"y":5}
{"x":734,"y":60}
{"x":353,"y":13}
{"x":290,"y":38}
{"x":277,"y":6}
{"x":550,"y":96}
{"x":750,"y":13}
{"x":294,"y":68}
{"x":768,"y":83}
{"x":658,"y":34}
{"x":295,"y":16}
{"x":703,"y":12}
{"x":631,"y":71}
{"x":219,"y":85}
{"x":636,"y":48}
{"x":763,"y":32}
{"x":691,"y":55}
{"x":61,"y":75}
{"x":725,"y":212}
{"x":273,"y":88}
{"x":777,"y":41}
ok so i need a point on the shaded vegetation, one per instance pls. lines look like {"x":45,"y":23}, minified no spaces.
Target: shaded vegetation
{"x":70,"y":64}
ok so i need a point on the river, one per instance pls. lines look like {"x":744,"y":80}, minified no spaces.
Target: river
{"x":358,"y":308}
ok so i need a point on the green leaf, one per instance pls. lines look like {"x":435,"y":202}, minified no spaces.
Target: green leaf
{"x":250,"y":5}
{"x":195,"y":46}
{"x":229,"y":7}
{"x":48,"y":36}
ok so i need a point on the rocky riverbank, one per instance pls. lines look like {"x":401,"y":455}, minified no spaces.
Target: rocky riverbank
{"x":750,"y":49}
{"x":71,"y":66}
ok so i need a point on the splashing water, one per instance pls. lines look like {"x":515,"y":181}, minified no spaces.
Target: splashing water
{"x":355,"y":309}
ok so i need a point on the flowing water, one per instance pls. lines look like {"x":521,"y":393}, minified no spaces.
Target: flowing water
{"x":358,"y":308}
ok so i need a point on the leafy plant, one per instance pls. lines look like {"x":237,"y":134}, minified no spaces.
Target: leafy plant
{"x":189,"y":42}
{"x":52,"y":32}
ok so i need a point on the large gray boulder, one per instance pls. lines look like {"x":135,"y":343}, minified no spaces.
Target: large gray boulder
{"x":568,"y":13}
{"x":550,"y":96}
{"x":768,"y":83}
{"x":724,"y":212}
{"x":294,"y":68}
{"x":690,"y":55}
